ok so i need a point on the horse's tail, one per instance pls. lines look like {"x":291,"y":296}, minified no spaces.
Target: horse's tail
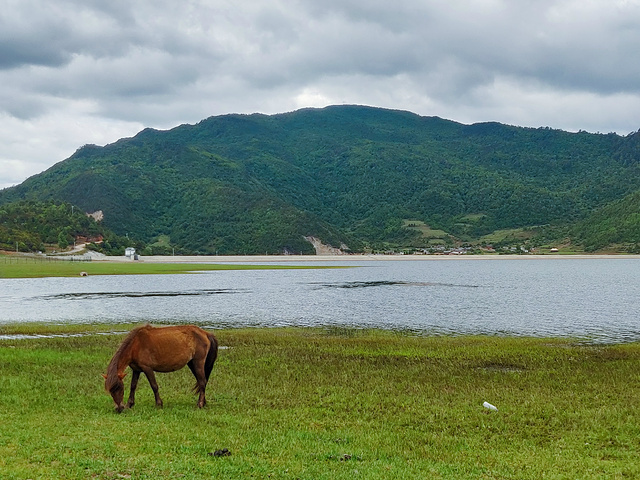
{"x":212,"y":354}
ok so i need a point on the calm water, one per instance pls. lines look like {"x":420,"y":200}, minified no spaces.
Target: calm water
{"x":598,"y":299}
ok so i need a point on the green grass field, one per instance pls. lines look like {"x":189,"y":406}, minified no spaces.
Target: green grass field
{"x":31,"y":268}
{"x":326,"y":404}
{"x":428,"y":234}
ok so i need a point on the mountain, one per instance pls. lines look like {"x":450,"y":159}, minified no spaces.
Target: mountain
{"x":347,"y":175}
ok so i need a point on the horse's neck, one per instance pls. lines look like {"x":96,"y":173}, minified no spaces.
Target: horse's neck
{"x":122,"y":360}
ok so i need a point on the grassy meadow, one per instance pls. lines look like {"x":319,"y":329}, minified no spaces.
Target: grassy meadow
{"x":325,"y":404}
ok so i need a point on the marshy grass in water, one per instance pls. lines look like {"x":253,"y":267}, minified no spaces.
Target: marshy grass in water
{"x":27,"y":268}
{"x":313,"y":403}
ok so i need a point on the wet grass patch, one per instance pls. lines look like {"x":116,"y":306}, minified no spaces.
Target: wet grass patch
{"x":501,"y":367}
{"x":61,"y":268}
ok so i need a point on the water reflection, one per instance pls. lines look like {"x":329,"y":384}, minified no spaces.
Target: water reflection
{"x":387,"y":283}
{"x":104,"y":295}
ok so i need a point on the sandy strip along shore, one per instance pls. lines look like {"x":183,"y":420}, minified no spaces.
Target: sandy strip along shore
{"x":354,"y":258}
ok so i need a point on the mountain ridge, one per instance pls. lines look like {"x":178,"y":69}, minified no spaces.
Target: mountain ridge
{"x":346,"y":175}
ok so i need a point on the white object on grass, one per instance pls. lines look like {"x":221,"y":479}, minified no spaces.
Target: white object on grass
{"x":489,"y":406}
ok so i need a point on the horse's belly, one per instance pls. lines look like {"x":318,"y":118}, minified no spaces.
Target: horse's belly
{"x":168,"y":367}
{"x":168,"y":360}
{"x":170,"y":364}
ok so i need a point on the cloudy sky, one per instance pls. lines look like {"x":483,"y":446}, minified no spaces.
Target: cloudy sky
{"x":74,"y":72}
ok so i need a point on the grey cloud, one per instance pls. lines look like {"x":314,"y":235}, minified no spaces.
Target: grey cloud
{"x":566,"y":45}
{"x":22,"y":106}
{"x":272,"y":44}
{"x":37,"y":33}
{"x":589,"y":45}
{"x":37,"y":45}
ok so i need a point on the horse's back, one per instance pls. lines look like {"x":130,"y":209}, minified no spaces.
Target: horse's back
{"x":166,"y":349}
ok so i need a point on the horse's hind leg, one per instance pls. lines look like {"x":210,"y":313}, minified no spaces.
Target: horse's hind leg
{"x":197,"y":368}
{"x":132,"y":391}
{"x":154,"y":385}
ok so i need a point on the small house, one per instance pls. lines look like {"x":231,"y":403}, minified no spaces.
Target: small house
{"x":129,"y":252}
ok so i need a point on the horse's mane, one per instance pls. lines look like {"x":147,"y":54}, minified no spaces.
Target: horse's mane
{"x":112,"y":379}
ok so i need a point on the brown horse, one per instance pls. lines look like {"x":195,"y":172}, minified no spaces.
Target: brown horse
{"x":166,"y":349}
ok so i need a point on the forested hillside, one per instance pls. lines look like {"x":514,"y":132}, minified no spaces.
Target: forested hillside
{"x":616,"y":224}
{"x":30,"y":226}
{"x":348,"y":175}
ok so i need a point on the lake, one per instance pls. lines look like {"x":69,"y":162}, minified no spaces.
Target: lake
{"x":593,"y":299}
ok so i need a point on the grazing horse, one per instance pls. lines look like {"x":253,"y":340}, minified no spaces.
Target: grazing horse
{"x":165,"y":349}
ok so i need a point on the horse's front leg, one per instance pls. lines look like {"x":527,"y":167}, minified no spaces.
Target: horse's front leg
{"x":132,"y":391}
{"x":154,"y":385}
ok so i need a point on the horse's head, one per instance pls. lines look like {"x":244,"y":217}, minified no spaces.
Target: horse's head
{"x":115,"y":386}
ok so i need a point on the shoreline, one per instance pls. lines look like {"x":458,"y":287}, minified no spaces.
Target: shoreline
{"x":351,"y":258}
